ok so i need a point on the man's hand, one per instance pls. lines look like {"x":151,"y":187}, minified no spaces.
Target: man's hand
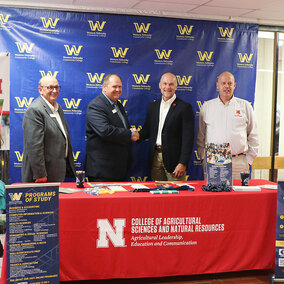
{"x":179,"y":170}
{"x":135,"y":137}
{"x":41,"y":180}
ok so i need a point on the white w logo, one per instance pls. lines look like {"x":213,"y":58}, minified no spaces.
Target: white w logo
{"x":25,"y":47}
{"x":184,"y":80}
{"x":49,"y":73}
{"x":245,"y":57}
{"x":138,"y":179}
{"x":205,"y":55}
{"x":163,"y":54}
{"x":73,"y":50}
{"x":15,"y":196}
{"x":226,"y":32}
{"x":19,"y":156}
{"x":72,"y":103}
{"x":49,"y":23}
{"x":96,"y":77}
{"x":4,"y":20}
{"x":97,"y":26}
{"x":185,"y":29}
{"x":141,"y":78}
{"x":24,"y":102}
{"x":120,"y":52}
{"x":142,"y":27}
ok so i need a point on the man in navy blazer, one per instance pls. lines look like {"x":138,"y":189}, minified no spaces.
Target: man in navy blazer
{"x":108,"y":134}
{"x":47,"y":153}
{"x":169,"y":125}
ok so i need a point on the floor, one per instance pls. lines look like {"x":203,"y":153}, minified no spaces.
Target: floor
{"x":245,"y":277}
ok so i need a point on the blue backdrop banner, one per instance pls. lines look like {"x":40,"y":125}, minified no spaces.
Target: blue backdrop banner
{"x":81,"y":48}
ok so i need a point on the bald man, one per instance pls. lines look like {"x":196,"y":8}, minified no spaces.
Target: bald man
{"x":47,"y":153}
{"x":169,"y":125}
{"x":228,"y":119}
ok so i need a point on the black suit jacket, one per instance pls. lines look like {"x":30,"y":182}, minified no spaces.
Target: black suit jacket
{"x":108,"y":141}
{"x":177,"y":133}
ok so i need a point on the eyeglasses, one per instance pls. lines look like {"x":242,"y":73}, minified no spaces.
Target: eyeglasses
{"x":51,"y":88}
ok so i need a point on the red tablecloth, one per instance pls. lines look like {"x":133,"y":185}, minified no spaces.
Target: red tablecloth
{"x":120,"y":235}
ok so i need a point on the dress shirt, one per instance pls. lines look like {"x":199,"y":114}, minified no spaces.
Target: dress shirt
{"x":54,"y":110}
{"x":164,"y":109}
{"x":114,"y":104}
{"x":233,"y":122}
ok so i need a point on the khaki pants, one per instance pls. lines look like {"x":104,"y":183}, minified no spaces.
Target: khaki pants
{"x":159,"y":171}
{"x":240,"y":164}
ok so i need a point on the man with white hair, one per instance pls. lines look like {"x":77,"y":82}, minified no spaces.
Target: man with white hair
{"x":47,"y":153}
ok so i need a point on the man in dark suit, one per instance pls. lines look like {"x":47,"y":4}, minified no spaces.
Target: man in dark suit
{"x":47,"y":153}
{"x":108,"y":134}
{"x":170,"y":127}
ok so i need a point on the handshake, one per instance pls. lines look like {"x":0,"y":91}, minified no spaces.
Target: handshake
{"x":135,"y":137}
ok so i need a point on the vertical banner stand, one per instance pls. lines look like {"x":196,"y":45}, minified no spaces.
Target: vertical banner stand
{"x":279,"y":246}
{"x":32,"y":233}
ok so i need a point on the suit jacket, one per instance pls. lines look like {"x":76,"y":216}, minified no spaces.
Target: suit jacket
{"x":108,"y":141}
{"x":177,"y":132}
{"x":45,"y":144}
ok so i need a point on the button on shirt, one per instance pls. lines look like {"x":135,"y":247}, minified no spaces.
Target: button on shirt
{"x":55,"y":113}
{"x":164,"y":109}
{"x":233,"y":122}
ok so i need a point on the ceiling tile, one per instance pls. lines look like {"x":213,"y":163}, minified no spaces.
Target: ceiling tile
{"x":194,"y":2}
{"x":41,"y":2}
{"x":266,"y":15}
{"x":207,"y":10}
{"x":176,"y":7}
{"x":275,"y":6}
{"x":241,"y":4}
{"x":107,"y":3}
{"x":256,"y":11}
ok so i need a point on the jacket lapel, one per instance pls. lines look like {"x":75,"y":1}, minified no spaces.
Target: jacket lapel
{"x":52,"y":116}
{"x":112,"y":110}
{"x":171,"y":110}
{"x":156,"y":116}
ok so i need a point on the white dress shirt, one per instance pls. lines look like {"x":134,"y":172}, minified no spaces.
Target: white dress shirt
{"x":164,"y":109}
{"x":233,"y":122}
{"x":55,"y":113}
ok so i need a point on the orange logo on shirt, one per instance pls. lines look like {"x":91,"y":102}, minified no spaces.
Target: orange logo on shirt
{"x":238,"y":113}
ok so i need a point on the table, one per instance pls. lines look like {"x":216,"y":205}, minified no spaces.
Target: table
{"x":131,"y":235}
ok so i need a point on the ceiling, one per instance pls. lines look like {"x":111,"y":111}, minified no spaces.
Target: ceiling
{"x":263,"y":12}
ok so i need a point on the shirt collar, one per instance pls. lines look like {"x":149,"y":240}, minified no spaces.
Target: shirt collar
{"x":170,"y":101}
{"x":229,"y":102}
{"x":53,"y":108}
{"x":110,"y":101}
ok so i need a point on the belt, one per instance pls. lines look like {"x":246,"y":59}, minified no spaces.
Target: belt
{"x":238,"y":155}
{"x":158,"y":148}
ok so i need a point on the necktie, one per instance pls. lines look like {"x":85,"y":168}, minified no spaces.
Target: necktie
{"x":120,"y":114}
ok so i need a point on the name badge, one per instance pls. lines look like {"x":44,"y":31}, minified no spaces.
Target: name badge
{"x":114,"y":111}
{"x":52,"y":115}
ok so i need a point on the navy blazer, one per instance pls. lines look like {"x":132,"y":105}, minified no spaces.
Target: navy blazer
{"x":177,"y":133}
{"x":108,"y":141}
